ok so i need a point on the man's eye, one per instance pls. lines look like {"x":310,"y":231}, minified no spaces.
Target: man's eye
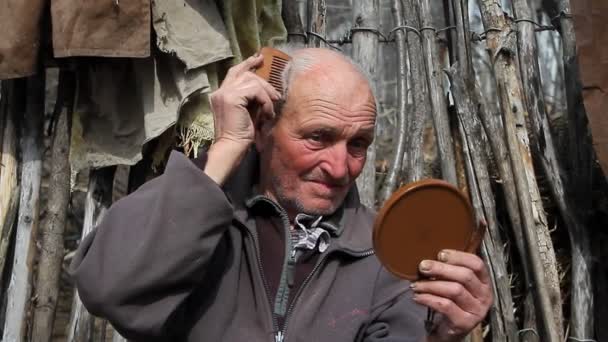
{"x":359,"y":143}
{"x":317,"y":137}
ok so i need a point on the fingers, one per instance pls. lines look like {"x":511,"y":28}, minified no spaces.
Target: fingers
{"x":248,"y":78}
{"x":241,"y":98}
{"x":241,"y":78}
{"x":249,"y":86}
{"x":458,"y":320}
{"x":443,"y":271}
{"x":264,"y":100}
{"x":455,"y":292}
{"x":262,"y":92}
{"x":252,"y":62}
{"x":468,"y":260}
{"x":272,"y":92}
{"x":459,"y":289}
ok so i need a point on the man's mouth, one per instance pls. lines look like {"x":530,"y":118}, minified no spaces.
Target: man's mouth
{"x":328,"y":185}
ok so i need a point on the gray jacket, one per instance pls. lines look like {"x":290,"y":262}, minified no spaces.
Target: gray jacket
{"x":178,"y":260}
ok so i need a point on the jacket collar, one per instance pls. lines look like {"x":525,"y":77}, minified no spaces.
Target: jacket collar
{"x":352,"y":222}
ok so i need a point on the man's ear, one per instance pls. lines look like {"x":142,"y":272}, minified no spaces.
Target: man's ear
{"x":263,"y":128}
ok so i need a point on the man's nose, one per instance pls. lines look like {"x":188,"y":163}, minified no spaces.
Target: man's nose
{"x":336,"y":162}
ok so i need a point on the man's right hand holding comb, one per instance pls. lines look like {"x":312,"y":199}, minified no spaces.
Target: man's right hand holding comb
{"x":242,"y":96}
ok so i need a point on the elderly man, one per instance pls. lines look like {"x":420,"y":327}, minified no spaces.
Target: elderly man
{"x":265,"y":238}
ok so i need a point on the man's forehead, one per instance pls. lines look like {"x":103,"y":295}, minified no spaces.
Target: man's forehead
{"x":320,"y":104}
{"x":315,"y":114}
{"x":346,"y":89}
{"x":329,"y":85}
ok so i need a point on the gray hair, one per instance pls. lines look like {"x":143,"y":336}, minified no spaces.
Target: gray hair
{"x":302,"y":60}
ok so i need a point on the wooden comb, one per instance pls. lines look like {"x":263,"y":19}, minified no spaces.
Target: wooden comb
{"x":272,"y":68}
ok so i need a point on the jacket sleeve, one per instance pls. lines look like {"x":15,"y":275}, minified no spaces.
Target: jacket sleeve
{"x":394,"y":315}
{"x":152,"y":249}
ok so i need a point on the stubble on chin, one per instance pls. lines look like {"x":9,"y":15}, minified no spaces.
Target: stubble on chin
{"x":293,"y":204}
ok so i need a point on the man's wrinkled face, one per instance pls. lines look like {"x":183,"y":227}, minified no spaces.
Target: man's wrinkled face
{"x":315,"y":151}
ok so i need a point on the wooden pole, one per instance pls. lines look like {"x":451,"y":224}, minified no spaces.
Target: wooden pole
{"x":51,"y":236}
{"x":98,"y":200}
{"x":20,"y":286}
{"x":463,"y":50}
{"x":365,"y":50}
{"x":317,"y":13}
{"x":434,"y":76}
{"x":8,"y":170}
{"x":293,"y":23}
{"x":117,"y":338}
{"x":502,"y":46}
{"x":582,"y":157}
{"x":414,"y":164}
{"x":492,"y":123}
{"x":503,"y":325}
{"x":463,"y":85}
{"x":452,"y":57}
{"x":394,"y":169}
{"x":580,"y":153}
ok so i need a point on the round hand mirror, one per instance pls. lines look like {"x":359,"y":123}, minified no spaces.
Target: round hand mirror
{"x":418,"y":221}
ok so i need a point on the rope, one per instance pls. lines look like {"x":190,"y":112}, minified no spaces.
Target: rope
{"x":528,"y":330}
{"x":403,"y":27}
{"x":540,"y":26}
{"x":581,"y":339}
{"x":382,"y":38}
{"x":368,"y":29}
{"x":445,"y":29}
{"x":562,"y":14}
{"x":323,"y":39}
{"x":300,"y":34}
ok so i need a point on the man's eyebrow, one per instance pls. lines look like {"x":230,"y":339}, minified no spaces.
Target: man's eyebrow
{"x":318,"y":127}
{"x":326,"y":130}
{"x":367,"y":130}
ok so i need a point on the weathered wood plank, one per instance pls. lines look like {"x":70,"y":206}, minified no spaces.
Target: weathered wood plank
{"x":463,"y":47}
{"x":8,"y":172}
{"x":575,"y":208}
{"x":501,"y":41}
{"x":296,"y":34}
{"x":438,"y":98}
{"x":20,"y":286}
{"x":421,"y":109}
{"x":317,"y":23}
{"x":365,"y":52}
{"x":98,"y":200}
{"x":492,"y":123}
{"x":463,"y":85}
{"x":394,"y":170}
{"x":580,"y":152}
{"x":117,"y":338}
{"x":51,"y":236}
{"x":503,"y":327}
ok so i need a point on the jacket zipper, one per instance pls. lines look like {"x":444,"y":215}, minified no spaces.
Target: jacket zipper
{"x":288,"y":271}
{"x":280,"y":336}
{"x":275,"y":324}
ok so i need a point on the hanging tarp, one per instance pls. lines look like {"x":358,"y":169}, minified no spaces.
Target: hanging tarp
{"x":20,"y":37}
{"x":124,"y":103}
{"x":193,"y":31}
{"x":101,"y":28}
{"x":591,"y":25}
